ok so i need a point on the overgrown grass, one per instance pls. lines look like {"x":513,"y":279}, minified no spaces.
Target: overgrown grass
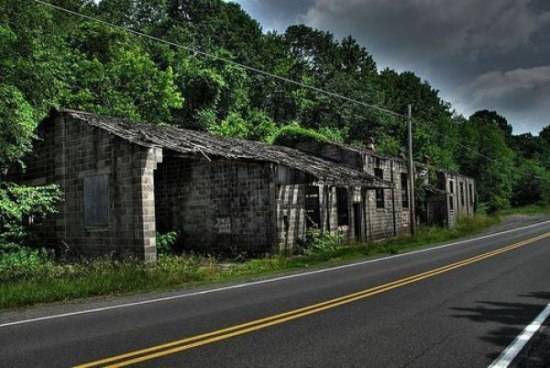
{"x":527,"y":210}
{"x":50,"y":281}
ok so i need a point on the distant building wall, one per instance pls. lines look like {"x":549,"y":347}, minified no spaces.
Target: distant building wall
{"x":375,"y":222}
{"x":332,"y":152}
{"x":392,"y":218}
{"x":460,"y":197}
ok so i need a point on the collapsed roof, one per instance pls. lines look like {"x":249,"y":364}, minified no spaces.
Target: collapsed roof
{"x":191,"y":143}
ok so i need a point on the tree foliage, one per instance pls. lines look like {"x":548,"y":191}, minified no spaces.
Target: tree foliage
{"x":50,"y":59}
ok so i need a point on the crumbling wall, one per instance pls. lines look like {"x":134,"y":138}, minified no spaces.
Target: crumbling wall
{"x":219,"y":206}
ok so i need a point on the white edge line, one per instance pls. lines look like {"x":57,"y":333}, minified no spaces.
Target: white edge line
{"x":512,"y":351}
{"x":262,"y":282}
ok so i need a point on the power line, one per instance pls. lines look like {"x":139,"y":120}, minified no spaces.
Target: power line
{"x":221,"y":58}
{"x":250,"y":68}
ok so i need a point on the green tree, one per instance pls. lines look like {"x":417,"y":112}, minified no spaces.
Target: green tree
{"x":485,"y":156}
{"x":17,"y":124}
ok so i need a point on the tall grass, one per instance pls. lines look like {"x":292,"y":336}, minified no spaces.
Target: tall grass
{"x":50,"y":280}
{"x":526,"y":210}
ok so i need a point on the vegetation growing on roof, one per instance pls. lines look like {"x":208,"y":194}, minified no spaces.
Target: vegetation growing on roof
{"x":293,"y":134}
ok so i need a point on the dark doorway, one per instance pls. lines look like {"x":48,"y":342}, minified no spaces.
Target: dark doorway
{"x":313,"y":212}
{"x":358,"y":221}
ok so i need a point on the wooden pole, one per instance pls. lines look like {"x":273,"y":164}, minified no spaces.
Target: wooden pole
{"x":411,"y":173}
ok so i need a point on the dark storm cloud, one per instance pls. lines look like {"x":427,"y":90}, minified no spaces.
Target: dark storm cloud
{"x":480,"y":53}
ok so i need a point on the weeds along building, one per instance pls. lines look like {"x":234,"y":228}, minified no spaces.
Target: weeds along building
{"x":122,"y":182}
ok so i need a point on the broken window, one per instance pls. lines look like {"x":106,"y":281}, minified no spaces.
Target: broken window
{"x":313,"y":211}
{"x":342,"y":206}
{"x":379,"y":173}
{"x":96,"y":200}
{"x":470,"y":189}
{"x":462,"y":201}
{"x":404,"y":190}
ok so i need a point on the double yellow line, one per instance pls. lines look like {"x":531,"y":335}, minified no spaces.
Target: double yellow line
{"x":158,"y":351}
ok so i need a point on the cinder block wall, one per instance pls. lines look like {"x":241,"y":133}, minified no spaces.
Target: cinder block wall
{"x":380,"y":221}
{"x":333,"y":152}
{"x":71,"y":150}
{"x":218,"y":206}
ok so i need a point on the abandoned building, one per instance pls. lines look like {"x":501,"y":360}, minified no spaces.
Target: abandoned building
{"x":387,"y":210}
{"x":449,"y":196}
{"x":452,"y":196}
{"x":123,"y":182}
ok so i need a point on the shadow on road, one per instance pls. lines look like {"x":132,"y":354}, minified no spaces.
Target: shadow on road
{"x":509,"y":318}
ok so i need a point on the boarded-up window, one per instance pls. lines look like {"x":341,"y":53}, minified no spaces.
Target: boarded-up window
{"x":379,"y":173}
{"x":96,"y":200}
{"x":342,"y":206}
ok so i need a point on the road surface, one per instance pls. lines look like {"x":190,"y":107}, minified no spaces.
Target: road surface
{"x":459,"y":305}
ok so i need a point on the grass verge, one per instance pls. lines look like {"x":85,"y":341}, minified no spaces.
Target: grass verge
{"x":527,"y":210}
{"x":52,"y":281}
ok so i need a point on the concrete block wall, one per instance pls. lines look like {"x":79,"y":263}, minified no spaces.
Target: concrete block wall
{"x":70,"y":151}
{"x":216,"y":206}
{"x":89,"y":151}
{"x":333,"y":152}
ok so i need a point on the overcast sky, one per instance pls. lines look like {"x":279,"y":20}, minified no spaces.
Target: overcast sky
{"x":492,"y":54}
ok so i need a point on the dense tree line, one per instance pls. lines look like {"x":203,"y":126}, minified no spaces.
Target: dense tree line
{"x":52,"y":59}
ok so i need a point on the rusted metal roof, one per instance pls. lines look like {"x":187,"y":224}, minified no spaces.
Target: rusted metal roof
{"x":192,"y":143}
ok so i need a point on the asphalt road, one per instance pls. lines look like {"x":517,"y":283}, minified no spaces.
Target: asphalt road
{"x":445,"y":307}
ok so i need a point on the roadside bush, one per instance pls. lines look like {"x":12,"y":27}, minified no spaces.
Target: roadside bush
{"x":473,"y":224}
{"x":318,"y":243}
{"x":166,"y":242}
{"x":17,"y":263}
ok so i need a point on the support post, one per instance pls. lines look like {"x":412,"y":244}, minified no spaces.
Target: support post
{"x":412,"y":203}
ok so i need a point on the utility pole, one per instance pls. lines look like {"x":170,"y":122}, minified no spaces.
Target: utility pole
{"x":411,"y":173}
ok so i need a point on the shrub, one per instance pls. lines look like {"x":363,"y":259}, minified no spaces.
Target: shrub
{"x":18,"y":203}
{"x":318,"y":243}
{"x":166,"y":241}
{"x":17,"y":263}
